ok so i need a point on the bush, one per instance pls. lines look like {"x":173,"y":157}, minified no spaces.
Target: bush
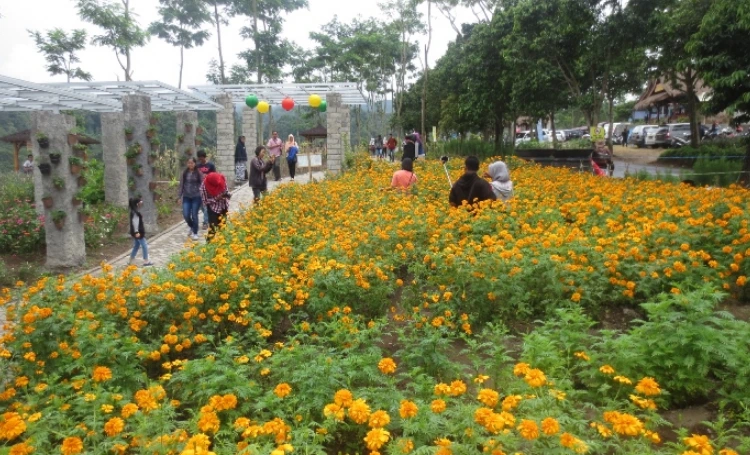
{"x":93,"y":192}
{"x":720,"y":148}
{"x":467,"y":147}
{"x":715,"y":172}
{"x":20,"y":226}
{"x":105,"y":220}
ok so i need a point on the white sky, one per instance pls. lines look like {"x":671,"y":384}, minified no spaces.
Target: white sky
{"x":158,"y":60}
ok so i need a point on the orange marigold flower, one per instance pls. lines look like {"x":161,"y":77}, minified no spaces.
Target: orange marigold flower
{"x":528,"y":429}
{"x":550,"y":426}
{"x":334,"y":410}
{"x":511,"y":401}
{"x":521,"y":369}
{"x":623,"y":380}
{"x":408,"y":409}
{"x":114,"y":426}
{"x":488,"y":397}
{"x":606,"y":369}
{"x":406,"y":445}
{"x":282,"y":390}
{"x":343,"y":398}
{"x":11,"y":426}
{"x":376,"y":438}
{"x":648,"y":386}
{"x":209,"y":422}
{"x":457,"y":388}
{"x":582,"y":355}
{"x":535,"y":378}
{"x":727,"y":452}
{"x":387,"y":366}
{"x":102,"y":374}
{"x":379,"y":419}
{"x":359,"y":412}
{"x":438,"y":406}
{"x":71,"y":446}
{"x":128,"y":410}
{"x":21,"y":449}
{"x":700,"y":443}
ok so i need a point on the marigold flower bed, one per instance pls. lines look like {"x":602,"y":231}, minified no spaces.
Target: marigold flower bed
{"x":336,"y":317}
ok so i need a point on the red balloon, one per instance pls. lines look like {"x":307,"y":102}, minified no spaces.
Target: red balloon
{"x":287,"y":104}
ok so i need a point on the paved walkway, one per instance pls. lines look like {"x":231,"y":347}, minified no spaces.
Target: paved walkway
{"x":174,"y":239}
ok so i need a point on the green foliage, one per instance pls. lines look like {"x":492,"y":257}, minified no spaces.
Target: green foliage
{"x":93,"y":192}
{"x":58,"y":182}
{"x":104,"y":221}
{"x":59,"y":51}
{"x":726,"y":149}
{"x":21,"y":229}
{"x":466,"y":147}
{"x":715,"y":172}
{"x":59,"y":215}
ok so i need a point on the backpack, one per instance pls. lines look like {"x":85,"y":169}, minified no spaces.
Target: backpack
{"x":291,"y":154}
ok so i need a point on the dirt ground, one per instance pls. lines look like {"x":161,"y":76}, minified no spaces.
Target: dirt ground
{"x":633,"y":155}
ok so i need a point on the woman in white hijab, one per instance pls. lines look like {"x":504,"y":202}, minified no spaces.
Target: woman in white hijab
{"x":501,"y":184}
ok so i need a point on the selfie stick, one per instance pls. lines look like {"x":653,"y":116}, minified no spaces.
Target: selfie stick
{"x":444,"y":159}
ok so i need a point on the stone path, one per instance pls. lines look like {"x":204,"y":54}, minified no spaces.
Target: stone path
{"x":174,"y":239}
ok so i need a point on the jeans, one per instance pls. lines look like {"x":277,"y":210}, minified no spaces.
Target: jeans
{"x":292,"y":167}
{"x":140,"y":243}
{"x":277,"y":169}
{"x":205,"y":214}
{"x":190,"y":207}
{"x":214,"y":220}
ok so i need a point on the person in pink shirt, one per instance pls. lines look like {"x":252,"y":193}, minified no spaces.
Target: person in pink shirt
{"x":274,"y":146}
{"x":404,"y":178}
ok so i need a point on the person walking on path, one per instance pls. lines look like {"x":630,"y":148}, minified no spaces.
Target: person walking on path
{"x":292,"y":149}
{"x":410,"y":150}
{"x":137,"y":231}
{"x":275,"y":145}
{"x":501,"y":184}
{"x":215,"y":197}
{"x":470,"y":187}
{"x":625,"y":134}
{"x":258,"y":171}
{"x":391,"y":144}
{"x":403,"y":179}
{"x":240,"y":160}
{"x":418,"y":144}
{"x":379,"y":149}
{"x":189,"y":192}
{"x":28,"y":165}
{"x":206,"y":167}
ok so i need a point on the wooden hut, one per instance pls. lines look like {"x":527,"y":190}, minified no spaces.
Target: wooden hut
{"x":22,"y":139}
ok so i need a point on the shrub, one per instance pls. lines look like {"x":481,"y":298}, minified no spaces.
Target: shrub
{"x":93,"y":192}
{"x":21,"y":228}
{"x":715,"y":172}
{"x":467,"y":147}
{"x":687,"y":156}
{"x":105,"y":220}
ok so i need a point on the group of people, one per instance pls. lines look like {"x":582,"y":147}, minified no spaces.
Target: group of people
{"x":470,"y":187}
{"x":275,"y":148}
{"x":384,"y":149}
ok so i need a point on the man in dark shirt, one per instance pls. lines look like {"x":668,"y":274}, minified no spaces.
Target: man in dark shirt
{"x":206,"y":167}
{"x":470,"y":187}
{"x":410,"y":150}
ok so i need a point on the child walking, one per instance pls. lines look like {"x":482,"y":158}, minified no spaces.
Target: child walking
{"x":137,"y":231}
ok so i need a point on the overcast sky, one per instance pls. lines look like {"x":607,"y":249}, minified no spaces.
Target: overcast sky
{"x":158,"y":60}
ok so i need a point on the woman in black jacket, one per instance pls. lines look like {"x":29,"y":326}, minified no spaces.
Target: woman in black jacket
{"x":410,"y":150}
{"x":137,"y":231}
{"x":240,"y":160}
{"x":258,"y":171}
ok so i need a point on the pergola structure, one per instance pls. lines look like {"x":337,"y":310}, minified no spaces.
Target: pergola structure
{"x":18,"y":95}
{"x":275,"y":93}
{"x":318,"y":132}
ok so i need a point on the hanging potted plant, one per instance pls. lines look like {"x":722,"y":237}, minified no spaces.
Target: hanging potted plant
{"x":188,"y":127}
{"x":137,"y":147}
{"x":198,"y":141}
{"x":129,"y":133}
{"x":48,"y":201}
{"x":131,"y":183}
{"x":75,"y":165}
{"x":152,"y":185}
{"x":55,"y":158}
{"x":199,"y":130}
{"x":84,"y":215}
{"x":151,"y":132}
{"x":76,"y":200}
{"x":188,"y":151}
{"x":58,"y":217}
{"x":42,"y":140}
{"x":80,"y":150}
{"x":45,"y":168}
{"x":58,"y":182}
{"x":82,"y":181}
{"x":180,"y":138}
{"x":155,"y":142}
{"x":154,"y":119}
{"x":138,"y":170}
{"x":130,"y":155}
{"x":73,"y":137}
{"x":152,"y":157}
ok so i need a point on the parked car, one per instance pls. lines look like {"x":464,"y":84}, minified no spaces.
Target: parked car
{"x":617,"y":128}
{"x":524,"y":136}
{"x":637,"y":135}
{"x":677,"y":133}
{"x":657,"y":137}
{"x":573,"y":134}
{"x":559,"y":133}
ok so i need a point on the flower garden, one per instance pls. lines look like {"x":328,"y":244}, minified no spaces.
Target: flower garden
{"x":338,"y":318}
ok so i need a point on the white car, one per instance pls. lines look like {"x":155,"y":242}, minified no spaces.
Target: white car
{"x":524,"y":136}
{"x":559,"y":133}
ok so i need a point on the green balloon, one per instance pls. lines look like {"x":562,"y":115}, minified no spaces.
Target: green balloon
{"x":323,"y":106}
{"x":251,"y":101}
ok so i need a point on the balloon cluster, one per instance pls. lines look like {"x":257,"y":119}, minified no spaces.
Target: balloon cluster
{"x":315,"y":101}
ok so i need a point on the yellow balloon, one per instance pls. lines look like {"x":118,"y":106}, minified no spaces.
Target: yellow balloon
{"x":314,"y":101}
{"x":263,"y":107}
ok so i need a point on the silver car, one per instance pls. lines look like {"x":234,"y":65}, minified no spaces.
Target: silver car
{"x":678,"y":131}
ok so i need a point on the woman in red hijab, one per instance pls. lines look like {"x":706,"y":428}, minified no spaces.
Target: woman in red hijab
{"x":215,"y":197}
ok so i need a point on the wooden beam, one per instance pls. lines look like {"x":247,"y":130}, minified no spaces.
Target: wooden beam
{"x":16,"y":149}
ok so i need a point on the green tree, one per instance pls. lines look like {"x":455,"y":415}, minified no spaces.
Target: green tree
{"x":60,"y":49}
{"x":219,"y":19}
{"x":121,"y":31}
{"x":724,"y":64}
{"x":676,"y":23}
{"x":180,"y":25}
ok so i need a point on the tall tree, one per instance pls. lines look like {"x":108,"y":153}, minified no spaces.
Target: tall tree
{"x":121,"y":31}
{"x":180,"y":25}
{"x":677,"y":22}
{"x":725,"y":66}
{"x":60,"y":49}
{"x":219,"y":19}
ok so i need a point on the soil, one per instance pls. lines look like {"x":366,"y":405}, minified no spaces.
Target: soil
{"x":642,"y":156}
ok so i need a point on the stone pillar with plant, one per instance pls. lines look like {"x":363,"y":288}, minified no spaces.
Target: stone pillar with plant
{"x":137,"y":119}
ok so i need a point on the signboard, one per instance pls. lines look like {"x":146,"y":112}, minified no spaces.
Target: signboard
{"x":317,"y":160}
{"x":597,"y":133}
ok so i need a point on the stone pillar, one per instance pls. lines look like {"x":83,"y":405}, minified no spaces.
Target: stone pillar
{"x":137,"y":113}
{"x":113,"y":156}
{"x":250,"y":130}
{"x":224,"y":159}
{"x":337,"y":118}
{"x":65,"y":244}
{"x":186,"y":126}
